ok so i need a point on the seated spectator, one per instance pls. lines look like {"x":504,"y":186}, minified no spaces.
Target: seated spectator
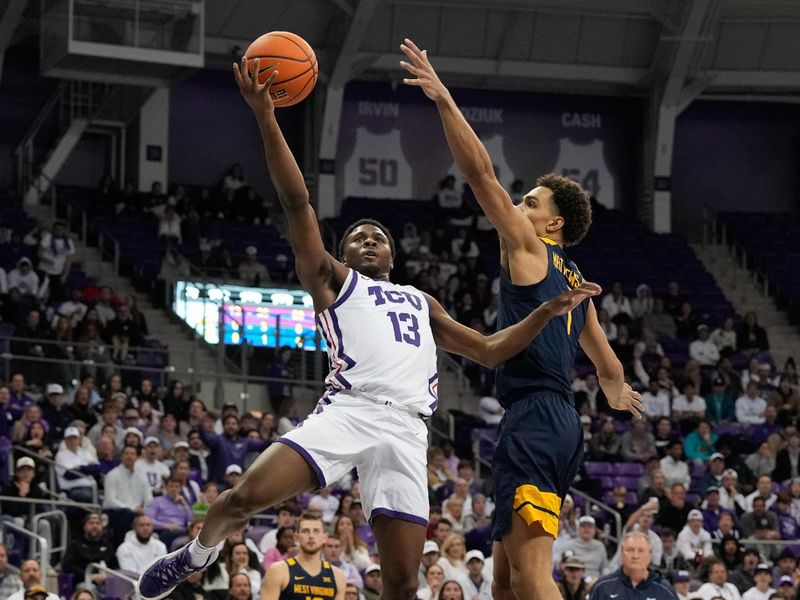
{"x":699,"y":444}
{"x":655,"y":400}
{"x":609,"y":328}
{"x":642,"y":521}
{"x":786,"y":462}
{"x":759,"y":522}
{"x":785,"y":564}
{"x":673,"y":466}
{"x":238,"y":563}
{"x":125,"y":493}
{"x":685,"y":322}
{"x":725,"y":528}
{"x":19,"y":399}
{"x":124,"y":332}
{"x":786,"y":400}
{"x":750,"y":407}
{"x":476,"y":583}
{"x":761,"y":590}
{"x":109,"y":416}
{"x":659,"y":321}
{"x":332,"y":552}
{"x":169,"y":226}
{"x":637,"y":444}
{"x":22,"y":485}
{"x":689,"y":407}
{"x":703,"y":350}
{"x":762,"y":461}
{"x":751,"y":337}
{"x":718,"y":584}
{"x":453,"y":511}
{"x":714,"y":472}
{"x":234,"y":179}
{"x":694,"y":542}
{"x":642,"y":304}
{"x":74,"y":309}
{"x":730,"y":552}
{"x":91,"y":547}
{"x":30,"y":574}
{"x":675,"y":512}
{"x":25,"y":280}
{"x":232,"y":476}
{"x":286,"y":517}
{"x":170,"y":512}
{"x":150,"y":467}
{"x":589,"y":394}
{"x":763,"y":490}
{"x":634,"y":573}
{"x":9,"y":580}
{"x":453,"y":560}
{"x":719,"y":405}
{"x":655,"y":486}
{"x":230,"y":448}
{"x":478,"y":517}
{"x":285,"y":542}
{"x":743,"y":577}
{"x":282,"y":272}
{"x":251,"y":271}
{"x":36,"y":334}
{"x":74,"y":458}
{"x":787,"y":525}
{"x":606,"y":444}
{"x":190,"y":489}
{"x":663,"y":435}
{"x":463,"y":246}
{"x":672,"y":559}
{"x":730,"y":498}
{"x":586,"y":548}
{"x":438,"y":472}
{"x":724,"y":337}
{"x":615,"y":303}
{"x":140,"y":548}
{"x":711,"y":509}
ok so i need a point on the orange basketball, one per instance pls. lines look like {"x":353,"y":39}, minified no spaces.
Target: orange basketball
{"x":294,"y":60}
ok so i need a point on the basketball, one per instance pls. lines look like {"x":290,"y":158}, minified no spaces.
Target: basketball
{"x":293,"y":58}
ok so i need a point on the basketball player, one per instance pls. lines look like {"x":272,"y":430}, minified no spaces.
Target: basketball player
{"x":306,"y":575}
{"x":540,"y":445}
{"x":382,"y":341}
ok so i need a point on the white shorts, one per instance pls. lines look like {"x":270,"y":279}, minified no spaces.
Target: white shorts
{"x":387,"y":446}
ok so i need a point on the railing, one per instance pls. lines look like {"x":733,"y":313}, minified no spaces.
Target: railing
{"x":592,"y":504}
{"x":41,"y":524}
{"x":52,"y":466}
{"x":44,"y":553}
{"x":97,"y":567}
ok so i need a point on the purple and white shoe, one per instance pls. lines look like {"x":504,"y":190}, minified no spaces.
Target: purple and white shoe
{"x":166,"y":573}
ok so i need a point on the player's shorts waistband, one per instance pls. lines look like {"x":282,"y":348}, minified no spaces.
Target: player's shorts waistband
{"x":362,"y":396}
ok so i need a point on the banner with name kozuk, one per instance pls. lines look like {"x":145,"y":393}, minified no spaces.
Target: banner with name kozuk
{"x":392,"y":145}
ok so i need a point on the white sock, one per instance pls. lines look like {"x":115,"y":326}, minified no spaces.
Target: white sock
{"x":199,"y":553}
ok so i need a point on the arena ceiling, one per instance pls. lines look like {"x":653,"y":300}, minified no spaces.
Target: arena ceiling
{"x":733,"y":47}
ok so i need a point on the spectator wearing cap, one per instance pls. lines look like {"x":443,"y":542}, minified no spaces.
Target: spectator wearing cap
{"x":475,"y":585}
{"x":750,"y":406}
{"x":73,"y":458}
{"x":170,"y":512}
{"x":714,"y":470}
{"x":589,"y":550}
{"x":55,"y":412}
{"x":232,"y":476}
{"x":9,"y":580}
{"x":788,"y":459}
{"x":761,"y":590}
{"x":21,"y":486}
{"x":130,"y":419}
{"x":699,"y":444}
{"x":430,"y":556}
{"x":373,"y":583}
{"x":730,"y":498}
{"x":719,"y":405}
{"x":230,"y":448}
{"x":672,"y":465}
{"x":634,"y":580}
{"x":786,"y":587}
{"x":711,"y":509}
{"x":30,"y":573}
{"x":251,"y":271}
{"x":718,"y":584}
{"x":91,"y":547}
{"x":674,"y":513}
{"x":573,"y":584}
{"x":744,"y":576}
{"x":694,"y":542}
{"x":785,"y":564}
{"x":680,"y":583}
{"x":763,"y":490}
{"x":332,"y":552}
{"x":150,"y":467}
{"x":703,"y":350}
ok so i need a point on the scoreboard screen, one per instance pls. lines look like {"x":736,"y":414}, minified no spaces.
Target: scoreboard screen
{"x":269,"y":317}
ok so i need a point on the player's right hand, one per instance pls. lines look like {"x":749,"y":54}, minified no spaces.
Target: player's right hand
{"x":629,"y":400}
{"x":255,"y":94}
{"x":421,"y":67}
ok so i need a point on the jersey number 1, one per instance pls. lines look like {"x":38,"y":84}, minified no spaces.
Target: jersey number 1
{"x":406,"y":327}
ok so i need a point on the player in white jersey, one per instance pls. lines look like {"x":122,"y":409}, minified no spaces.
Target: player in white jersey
{"x":382,"y":341}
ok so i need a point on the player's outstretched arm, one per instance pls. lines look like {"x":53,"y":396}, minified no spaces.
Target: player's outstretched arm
{"x":276,"y":578}
{"x":609,"y":370}
{"x":469,"y":153}
{"x":491,"y":350}
{"x":315,"y":267}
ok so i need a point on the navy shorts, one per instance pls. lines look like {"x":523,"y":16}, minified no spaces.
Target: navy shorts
{"x":539,"y":452}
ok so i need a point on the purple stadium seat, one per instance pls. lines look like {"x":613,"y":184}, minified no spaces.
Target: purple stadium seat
{"x":693,"y":498}
{"x":727,"y":429}
{"x":627,"y":469}
{"x":630,"y":483}
{"x":597,"y":469}
{"x":606,"y":482}
{"x":698,"y":471}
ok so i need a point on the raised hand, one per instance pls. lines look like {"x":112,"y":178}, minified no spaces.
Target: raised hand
{"x":425,"y":76}
{"x":569,"y":300}
{"x":255,"y":94}
{"x":628,"y":400}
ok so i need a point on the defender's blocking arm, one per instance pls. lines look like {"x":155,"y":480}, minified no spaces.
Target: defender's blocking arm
{"x":491,"y":350}
{"x":469,"y":153}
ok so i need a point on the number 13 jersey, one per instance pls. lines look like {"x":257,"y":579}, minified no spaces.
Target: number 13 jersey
{"x":380,"y":344}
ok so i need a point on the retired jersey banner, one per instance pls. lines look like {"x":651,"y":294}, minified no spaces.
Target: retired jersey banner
{"x":392,"y":145}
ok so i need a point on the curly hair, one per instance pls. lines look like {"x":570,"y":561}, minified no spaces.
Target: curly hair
{"x":572,"y":203}
{"x":359,"y":223}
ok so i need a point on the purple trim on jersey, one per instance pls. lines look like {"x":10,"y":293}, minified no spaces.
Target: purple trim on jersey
{"x":340,"y":378}
{"x":394,"y":514}
{"x":339,"y":341}
{"x":304,"y":453}
{"x":433,"y":382}
{"x":350,"y":287}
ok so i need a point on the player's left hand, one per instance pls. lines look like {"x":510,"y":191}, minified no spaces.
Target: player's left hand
{"x":629,"y":400}
{"x":255,"y":94}
{"x":426,"y":77}
{"x":569,"y":300}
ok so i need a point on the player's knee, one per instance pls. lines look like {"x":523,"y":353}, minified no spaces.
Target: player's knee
{"x":399,"y":586}
{"x":526,"y":577}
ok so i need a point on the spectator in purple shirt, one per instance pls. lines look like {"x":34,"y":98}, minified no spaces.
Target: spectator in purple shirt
{"x":230,"y":448}
{"x":6,"y":418}
{"x":19,"y":399}
{"x":170,"y":512}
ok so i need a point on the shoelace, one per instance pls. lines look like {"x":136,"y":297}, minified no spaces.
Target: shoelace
{"x":167,"y":573}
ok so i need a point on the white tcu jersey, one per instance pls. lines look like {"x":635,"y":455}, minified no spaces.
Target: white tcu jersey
{"x":380,"y":344}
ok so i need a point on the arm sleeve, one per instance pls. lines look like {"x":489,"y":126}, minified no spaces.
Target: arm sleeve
{"x":209,"y":439}
{"x":110,"y":495}
{"x":257,"y":445}
{"x":126,"y":560}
